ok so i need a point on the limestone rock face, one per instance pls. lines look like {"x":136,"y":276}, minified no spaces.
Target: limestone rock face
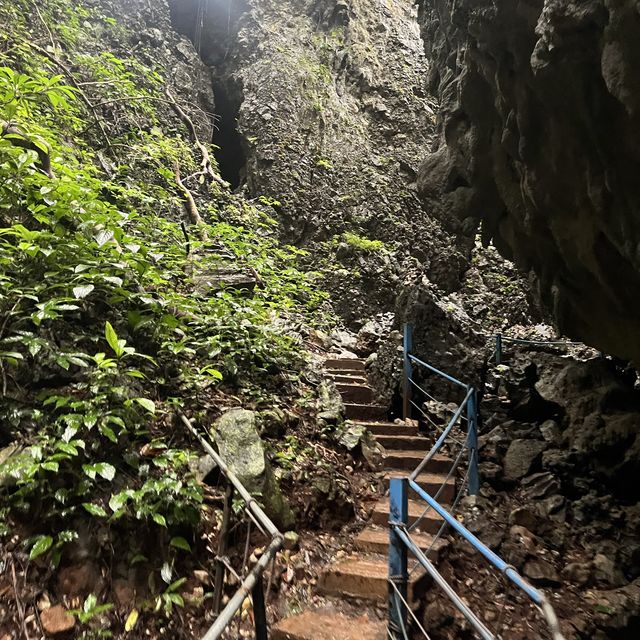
{"x":240,"y":446}
{"x":540,"y":143}
{"x":332,"y":116}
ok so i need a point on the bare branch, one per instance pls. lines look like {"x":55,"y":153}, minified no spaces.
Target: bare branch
{"x":207,"y":166}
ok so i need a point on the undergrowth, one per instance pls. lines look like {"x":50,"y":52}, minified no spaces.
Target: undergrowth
{"x":113,"y":313}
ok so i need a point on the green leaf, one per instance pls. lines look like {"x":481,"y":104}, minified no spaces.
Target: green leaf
{"x":149,"y":405}
{"x":176,"y":598}
{"x":42,"y":545}
{"x":158,"y":518}
{"x":118,"y":500}
{"x":180,"y":543}
{"x":176,"y":585}
{"x":94,"y":509}
{"x":132,"y":619}
{"x":112,"y":338}
{"x":12,"y":355}
{"x":83,"y":291}
{"x":108,"y":432}
{"x":102,"y":237}
{"x":90,"y":602}
{"x":107,"y":471}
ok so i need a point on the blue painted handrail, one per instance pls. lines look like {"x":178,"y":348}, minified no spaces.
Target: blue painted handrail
{"x":400,"y":539}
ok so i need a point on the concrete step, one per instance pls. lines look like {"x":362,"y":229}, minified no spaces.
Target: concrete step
{"x":406,"y":443}
{"x":347,"y":377}
{"x":357,"y":411}
{"x":389,"y":428}
{"x":365,"y":577}
{"x":345,"y":363}
{"x":431,"y":483}
{"x":355,"y":393}
{"x":430,"y":523}
{"x":374,"y":539}
{"x":328,"y":625}
{"x":409,"y":460}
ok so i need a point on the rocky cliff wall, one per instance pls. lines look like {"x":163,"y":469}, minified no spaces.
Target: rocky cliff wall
{"x":332,"y":115}
{"x":539,"y":142}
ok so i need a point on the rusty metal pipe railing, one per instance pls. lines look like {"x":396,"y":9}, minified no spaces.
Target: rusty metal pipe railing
{"x":253,"y":579}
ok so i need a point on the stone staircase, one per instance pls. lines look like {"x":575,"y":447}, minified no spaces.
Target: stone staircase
{"x":363,"y":574}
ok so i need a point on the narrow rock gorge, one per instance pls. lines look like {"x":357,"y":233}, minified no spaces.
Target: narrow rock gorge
{"x":217,"y":219}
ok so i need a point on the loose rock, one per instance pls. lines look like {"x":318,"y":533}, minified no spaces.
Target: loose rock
{"x":57,"y":621}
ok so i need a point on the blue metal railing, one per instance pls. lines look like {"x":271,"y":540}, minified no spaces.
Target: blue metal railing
{"x":400,"y":540}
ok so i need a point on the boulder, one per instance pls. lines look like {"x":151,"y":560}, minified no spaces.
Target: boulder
{"x":241,"y":448}
{"x":521,"y":457}
{"x":330,"y":405}
{"x":606,"y":571}
{"x":541,"y":572}
{"x":551,"y":433}
{"x":578,"y":573}
{"x":541,"y":485}
{"x":202,"y":466}
{"x":355,"y":436}
{"x":272,"y":423}
{"x":524,"y":517}
{"x":79,"y":580}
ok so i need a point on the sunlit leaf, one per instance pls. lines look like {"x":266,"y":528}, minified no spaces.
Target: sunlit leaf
{"x":94,"y":509}
{"x":83,"y":291}
{"x":132,"y":620}
{"x":180,"y":543}
{"x":149,"y":405}
{"x":42,"y":545}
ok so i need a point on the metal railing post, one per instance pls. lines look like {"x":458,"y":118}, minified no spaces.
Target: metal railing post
{"x":498,"y":348}
{"x":398,"y":516}
{"x":408,"y":372}
{"x":472,"y":442}
{"x":260,"y":609}
{"x":223,"y":543}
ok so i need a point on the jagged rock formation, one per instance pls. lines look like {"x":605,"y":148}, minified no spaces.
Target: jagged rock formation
{"x":330,"y":119}
{"x":539,"y":142}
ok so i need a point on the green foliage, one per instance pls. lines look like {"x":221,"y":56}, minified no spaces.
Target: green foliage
{"x":361,"y":243}
{"x":106,"y":325}
{"x":92,"y":614}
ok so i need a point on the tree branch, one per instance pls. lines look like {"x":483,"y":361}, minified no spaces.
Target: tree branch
{"x":19,"y":138}
{"x":67,"y":72}
{"x":206,"y":165}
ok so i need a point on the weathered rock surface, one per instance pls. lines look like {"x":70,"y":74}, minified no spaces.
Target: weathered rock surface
{"x":57,"y":621}
{"x":330,"y":117}
{"x":521,"y":456}
{"x":240,"y":446}
{"x":540,"y":143}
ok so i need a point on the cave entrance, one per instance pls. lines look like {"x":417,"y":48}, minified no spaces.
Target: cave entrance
{"x":230,"y":153}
